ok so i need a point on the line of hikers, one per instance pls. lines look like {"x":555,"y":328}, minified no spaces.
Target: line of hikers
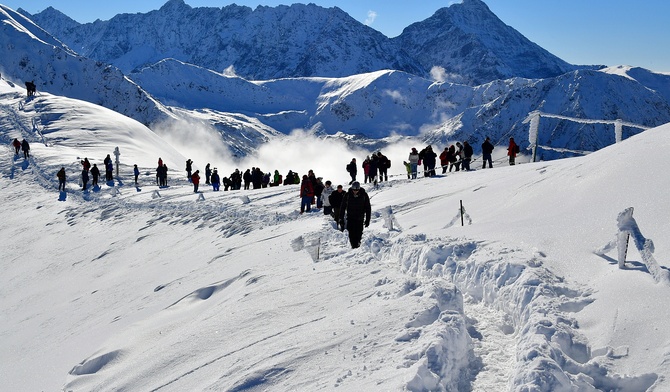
{"x":253,"y":178}
{"x":92,"y":173}
{"x":350,"y":209}
{"x":455,"y":157}
{"x":23,"y":146}
{"x":375,"y":168}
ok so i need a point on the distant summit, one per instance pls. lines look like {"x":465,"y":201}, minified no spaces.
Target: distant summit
{"x":467,"y":41}
{"x":473,"y":46}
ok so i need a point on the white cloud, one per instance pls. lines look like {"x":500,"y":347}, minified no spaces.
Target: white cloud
{"x":439,"y":74}
{"x":395,"y":94}
{"x":372,"y":15}
{"x":196,"y":140}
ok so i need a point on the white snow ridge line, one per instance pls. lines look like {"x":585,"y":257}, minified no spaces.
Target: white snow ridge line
{"x":551,"y":354}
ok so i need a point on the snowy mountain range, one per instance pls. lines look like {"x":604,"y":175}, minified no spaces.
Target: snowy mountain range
{"x":466,"y":40}
{"x":390,"y":100}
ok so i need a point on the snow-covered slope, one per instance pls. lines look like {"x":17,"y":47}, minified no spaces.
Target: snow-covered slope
{"x":138,"y":288}
{"x":31,"y":54}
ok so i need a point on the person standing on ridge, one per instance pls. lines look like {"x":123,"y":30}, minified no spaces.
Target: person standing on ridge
{"x":216,"y":180}
{"x":413,"y":160}
{"x":306,"y":194}
{"x":84,"y":179}
{"x":136,"y":172}
{"x":353,"y":170}
{"x":95,"y":173}
{"x":325,"y":198}
{"x":467,"y":156}
{"x":487,"y":150}
{"x":512,"y":150}
{"x":189,"y":168}
{"x":195,"y":179}
{"x":383,"y":164}
{"x":429,"y":161}
{"x":357,"y":210}
{"x":61,"y":179}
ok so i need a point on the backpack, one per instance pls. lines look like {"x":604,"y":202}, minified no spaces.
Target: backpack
{"x":516,"y":148}
{"x":388,"y":163}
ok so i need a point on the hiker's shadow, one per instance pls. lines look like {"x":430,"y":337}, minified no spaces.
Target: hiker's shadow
{"x":62,"y":196}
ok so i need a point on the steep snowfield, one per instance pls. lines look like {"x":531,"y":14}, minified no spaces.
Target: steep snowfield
{"x":140,"y":288}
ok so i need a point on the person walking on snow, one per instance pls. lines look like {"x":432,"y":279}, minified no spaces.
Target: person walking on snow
{"x":61,"y":179}
{"x":335,"y":200}
{"x":136,"y":172}
{"x":195,"y":179}
{"x":357,"y":210}
{"x":84,"y":179}
{"x":17,"y":146}
{"x":26,"y":149}
{"x":306,"y":194}
{"x":512,"y":150}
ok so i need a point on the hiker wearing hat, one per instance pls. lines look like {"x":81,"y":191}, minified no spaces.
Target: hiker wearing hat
{"x":357,"y":210}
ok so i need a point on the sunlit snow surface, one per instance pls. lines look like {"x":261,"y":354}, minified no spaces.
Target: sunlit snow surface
{"x":144,"y":289}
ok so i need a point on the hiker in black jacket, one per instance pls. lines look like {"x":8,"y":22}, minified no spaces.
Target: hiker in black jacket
{"x":335,"y":200}
{"x":356,"y":207}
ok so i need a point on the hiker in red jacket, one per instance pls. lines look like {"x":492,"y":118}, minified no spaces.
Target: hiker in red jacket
{"x":195,"y":179}
{"x":512,"y":150}
{"x":306,"y":194}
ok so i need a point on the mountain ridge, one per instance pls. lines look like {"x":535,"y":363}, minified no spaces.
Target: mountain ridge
{"x":308,"y":40}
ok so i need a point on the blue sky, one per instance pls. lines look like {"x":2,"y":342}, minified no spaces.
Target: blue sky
{"x":609,"y":32}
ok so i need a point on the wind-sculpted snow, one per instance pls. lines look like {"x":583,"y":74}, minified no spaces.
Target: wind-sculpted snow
{"x":551,"y":354}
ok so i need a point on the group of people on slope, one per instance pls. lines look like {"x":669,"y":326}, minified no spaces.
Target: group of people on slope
{"x":253,"y":178}
{"x":458,"y":156}
{"x":91,"y":172}
{"x":94,"y":172}
{"x":350,"y":209}
{"x":375,"y":168}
